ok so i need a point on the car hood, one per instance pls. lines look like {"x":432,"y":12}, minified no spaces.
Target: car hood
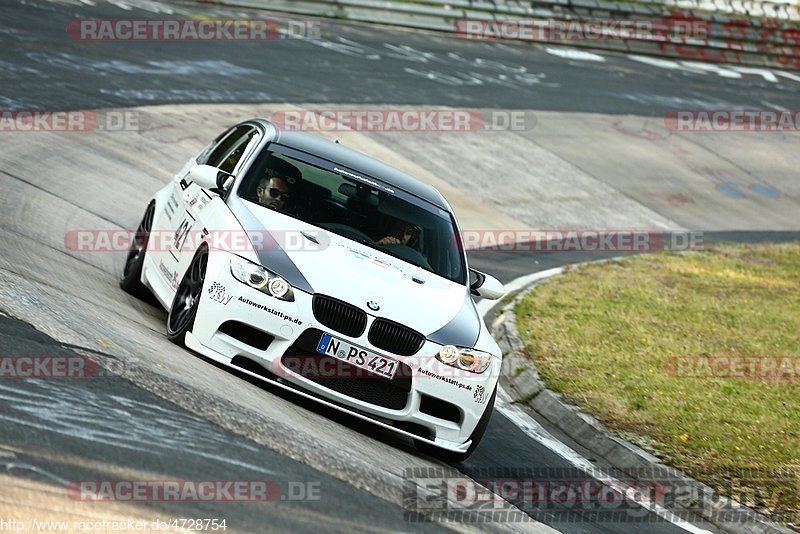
{"x":355,"y":273}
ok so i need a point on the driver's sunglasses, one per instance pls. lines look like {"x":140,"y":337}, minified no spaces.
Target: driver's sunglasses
{"x":274,"y":192}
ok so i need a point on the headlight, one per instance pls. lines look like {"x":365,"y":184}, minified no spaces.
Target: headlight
{"x":262,"y":279}
{"x":279,"y":287}
{"x":474,"y":361}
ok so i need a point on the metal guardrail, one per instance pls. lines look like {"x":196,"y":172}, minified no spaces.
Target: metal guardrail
{"x":745,"y":32}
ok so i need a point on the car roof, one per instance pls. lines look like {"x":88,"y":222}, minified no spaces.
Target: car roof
{"x":352,"y":159}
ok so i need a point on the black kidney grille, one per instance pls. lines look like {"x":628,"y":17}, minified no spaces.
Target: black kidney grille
{"x":339,"y":315}
{"x":395,"y":338}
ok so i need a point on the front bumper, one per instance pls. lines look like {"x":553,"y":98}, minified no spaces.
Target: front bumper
{"x":427,"y":400}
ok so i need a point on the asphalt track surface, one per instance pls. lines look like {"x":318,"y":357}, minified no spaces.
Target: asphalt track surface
{"x":156,"y":435}
{"x":44,"y":69}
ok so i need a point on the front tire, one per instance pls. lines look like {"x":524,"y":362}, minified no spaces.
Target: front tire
{"x":183,"y":311}
{"x":131,"y":280}
{"x":451,"y":457}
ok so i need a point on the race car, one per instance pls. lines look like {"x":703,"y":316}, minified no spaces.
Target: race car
{"x":310,"y":265}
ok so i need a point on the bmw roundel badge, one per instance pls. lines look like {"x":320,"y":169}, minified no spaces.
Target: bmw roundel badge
{"x":372,"y":305}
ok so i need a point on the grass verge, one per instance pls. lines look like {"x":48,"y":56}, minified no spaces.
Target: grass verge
{"x":697,"y":354}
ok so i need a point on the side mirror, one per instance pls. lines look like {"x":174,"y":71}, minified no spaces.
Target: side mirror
{"x":212,"y":178}
{"x":485,"y":286}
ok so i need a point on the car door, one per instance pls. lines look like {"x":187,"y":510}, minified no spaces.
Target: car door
{"x":190,"y":209}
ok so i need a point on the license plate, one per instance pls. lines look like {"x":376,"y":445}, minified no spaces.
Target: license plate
{"x":355,"y":355}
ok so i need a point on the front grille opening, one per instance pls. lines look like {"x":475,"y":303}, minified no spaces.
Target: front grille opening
{"x":440,"y":409}
{"x":247,"y":334}
{"x":349,"y":380}
{"x":339,"y":316}
{"x":395,"y":338}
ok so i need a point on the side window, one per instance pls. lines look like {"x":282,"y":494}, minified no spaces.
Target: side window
{"x":223,"y":149}
{"x":202,"y":158}
{"x":237,"y":151}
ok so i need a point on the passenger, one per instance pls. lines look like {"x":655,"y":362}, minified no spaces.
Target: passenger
{"x":400,"y":234}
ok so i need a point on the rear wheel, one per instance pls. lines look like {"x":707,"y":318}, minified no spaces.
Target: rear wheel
{"x":477,"y":434}
{"x":183,"y":311}
{"x":131,"y":280}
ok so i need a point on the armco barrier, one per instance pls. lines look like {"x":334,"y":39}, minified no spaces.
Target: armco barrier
{"x":751,"y":33}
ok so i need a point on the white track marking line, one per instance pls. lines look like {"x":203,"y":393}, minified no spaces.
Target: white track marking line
{"x":774,"y":106}
{"x":533,"y":429}
{"x":515,"y":285}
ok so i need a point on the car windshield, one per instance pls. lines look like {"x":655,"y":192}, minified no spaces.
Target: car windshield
{"x":359,"y":208}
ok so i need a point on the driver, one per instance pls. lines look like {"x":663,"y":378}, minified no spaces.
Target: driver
{"x":273,"y":191}
{"x":274,"y":187}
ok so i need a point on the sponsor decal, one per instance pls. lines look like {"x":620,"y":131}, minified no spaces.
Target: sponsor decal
{"x":360,"y":178}
{"x":360,"y":253}
{"x":172,"y":276}
{"x":285,"y":316}
{"x":200,"y":200}
{"x":183,"y":231}
{"x":480,"y":394}
{"x":377,"y":262}
{"x":218,"y":292}
{"x":380,"y":263}
{"x":425,"y":372}
{"x":172,"y":206}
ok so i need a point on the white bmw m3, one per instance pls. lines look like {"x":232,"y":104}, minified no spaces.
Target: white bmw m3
{"x":315,"y":267}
